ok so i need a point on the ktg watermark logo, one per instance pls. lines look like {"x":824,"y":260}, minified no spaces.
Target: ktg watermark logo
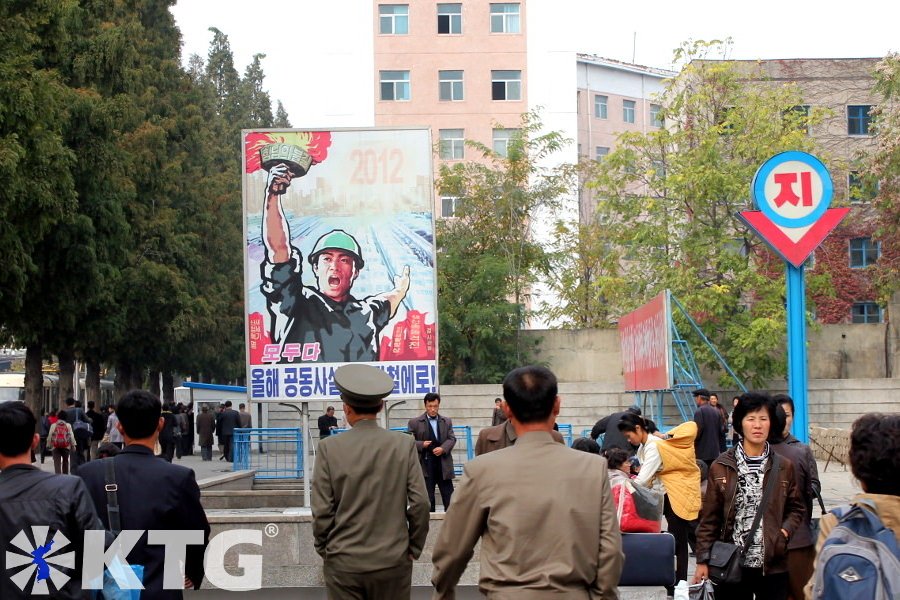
{"x":46,"y":561}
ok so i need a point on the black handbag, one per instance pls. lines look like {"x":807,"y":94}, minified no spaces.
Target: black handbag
{"x":814,"y":521}
{"x":725,"y":558}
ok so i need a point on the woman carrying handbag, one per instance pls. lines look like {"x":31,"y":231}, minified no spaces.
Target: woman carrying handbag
{"x":751,"y":508}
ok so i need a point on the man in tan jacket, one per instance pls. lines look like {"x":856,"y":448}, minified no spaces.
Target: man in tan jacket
{"x":544,"y":512}
{"x":370,"y":510}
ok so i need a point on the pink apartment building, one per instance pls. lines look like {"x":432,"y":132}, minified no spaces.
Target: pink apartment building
{"x":469,"y":69}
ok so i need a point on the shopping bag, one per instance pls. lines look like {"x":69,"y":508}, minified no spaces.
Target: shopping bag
{"x":111,"y":589}
{"x":702,"y":591}
{"x":627,"y":497}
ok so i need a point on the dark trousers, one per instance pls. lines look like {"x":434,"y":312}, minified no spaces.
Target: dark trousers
{"x":167,"y":448}
{"x":206,"y":452}
{"x":435,"y":475}
{"x":684,"y":533}
{"x":61,"y":461}
{"x":227,"y":443}
{"x":754,"y":585}
{"x":800,"y":570}
{"x":386,"y":584}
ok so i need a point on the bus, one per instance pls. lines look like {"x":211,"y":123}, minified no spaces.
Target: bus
{"x":12,"y":387}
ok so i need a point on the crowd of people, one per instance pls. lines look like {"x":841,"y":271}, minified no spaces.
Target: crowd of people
{"x":549,"y":518}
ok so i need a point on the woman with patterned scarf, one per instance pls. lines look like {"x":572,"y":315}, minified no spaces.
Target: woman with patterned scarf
{"x":734,"y":495}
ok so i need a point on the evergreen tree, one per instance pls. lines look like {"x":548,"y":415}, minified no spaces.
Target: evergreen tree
{"x":256,"y":102}
{"x":281,"y":117}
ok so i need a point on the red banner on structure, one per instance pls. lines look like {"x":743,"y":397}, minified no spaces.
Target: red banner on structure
{"x":646,"y":340}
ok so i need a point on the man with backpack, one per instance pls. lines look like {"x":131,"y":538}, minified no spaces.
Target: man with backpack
{"x":30,"y":501}
{"x":61,"y":440}
{"x":858,"y":550}
{"x":83,"y":429}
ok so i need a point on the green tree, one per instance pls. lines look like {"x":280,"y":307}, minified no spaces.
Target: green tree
{"x":257,"y":106}
{"x":488,"y":259}
{"x":667,"y":200}
{"x":281,"y":117}
{"x":885,"y":168}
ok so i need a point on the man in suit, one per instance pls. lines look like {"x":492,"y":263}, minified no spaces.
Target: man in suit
{"x":245,"y":417}
{"x":230,"y":420}
{"x":370,"y":512}
{"x":327,"y":423}
{"x":535,"y":541}
{"x":709,"y":424}
{"x":434,"y":441}
{"x":175,"y":502}
{"x":499,"y":415}
{"x":502,"y":436}
{"x":206,"y":424}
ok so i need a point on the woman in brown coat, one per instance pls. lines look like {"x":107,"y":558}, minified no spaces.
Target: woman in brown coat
{"x":734,"y":492}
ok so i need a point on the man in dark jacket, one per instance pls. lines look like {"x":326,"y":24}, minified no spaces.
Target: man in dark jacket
{"x":434,"y":441}
{"x":98,"y":421}
{"x":609,"y":427}
{"x":176,"y":497}
{"x":31,"y":499}
{"x":82,"y":428}
{"x":230,"y":420}
{"x":206,"y":424}
{"x":801,"y":549}
{"x":709,"y":424}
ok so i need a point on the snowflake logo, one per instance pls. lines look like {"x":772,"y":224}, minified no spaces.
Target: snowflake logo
{"x":43,"y":561}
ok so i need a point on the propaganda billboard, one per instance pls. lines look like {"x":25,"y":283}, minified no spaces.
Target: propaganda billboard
{"x":646,"y":341}
{"x":339,"y":259}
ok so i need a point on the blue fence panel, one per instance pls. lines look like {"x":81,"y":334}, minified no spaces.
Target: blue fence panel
{"x":274,"y":453}
{"x":565,"y":430}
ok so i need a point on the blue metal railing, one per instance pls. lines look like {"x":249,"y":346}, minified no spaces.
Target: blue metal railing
{"x":565,"y":430}
{"x":279,"y":454}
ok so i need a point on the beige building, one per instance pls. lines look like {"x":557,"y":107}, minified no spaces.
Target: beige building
{"x":842,"y":88}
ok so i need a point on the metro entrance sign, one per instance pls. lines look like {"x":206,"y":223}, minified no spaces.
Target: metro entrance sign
{"x":792,"y":192}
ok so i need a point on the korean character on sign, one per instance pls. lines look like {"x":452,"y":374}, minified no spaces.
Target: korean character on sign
{"x":291,"y":351}
{"x":271,"y":353}
{"x":257,"y":383}
{"x":273,"y":378}
{"x":311,"y":352}
{"x":305,"y":380}
{"x":291,"y":382}
{"x":329,"y":376}
{"x":424,"y":381}
{"x":394,"y":372}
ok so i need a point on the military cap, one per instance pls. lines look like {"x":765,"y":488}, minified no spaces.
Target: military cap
{"x":362,"y":385}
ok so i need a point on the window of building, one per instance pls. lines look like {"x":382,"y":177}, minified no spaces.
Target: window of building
{"x":393,"y":19}
{"x":866,"y":312}
{"x":863,"y":252}
{"x":601,"y":152}
{"x":798,"y":117}
{"x":453,"y":144}
{"x":448,"y":206}
{"x":628,"y":111}
{"x":505,"y":17}
{"x":858,"y":119}
{"x":450,"y":85}
{"x":449,"y":18}
{"x":394,"y":85}
{"x":600,"y":106}
{"x":655,"y":115}
{"x":861,"y":190}
{"x":502,"y":138}
{"x":506,"y":85}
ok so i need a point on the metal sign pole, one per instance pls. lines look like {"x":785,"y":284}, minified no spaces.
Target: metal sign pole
{"x":796,"y":347}
{"x":306,"y":440}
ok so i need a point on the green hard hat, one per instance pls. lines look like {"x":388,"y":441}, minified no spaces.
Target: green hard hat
{"x":337,"y":239}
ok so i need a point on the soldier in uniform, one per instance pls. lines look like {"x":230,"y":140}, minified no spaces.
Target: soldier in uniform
{"x":536,"y":542}
{"x":369,"y":506}
{"x":345,"y":328}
